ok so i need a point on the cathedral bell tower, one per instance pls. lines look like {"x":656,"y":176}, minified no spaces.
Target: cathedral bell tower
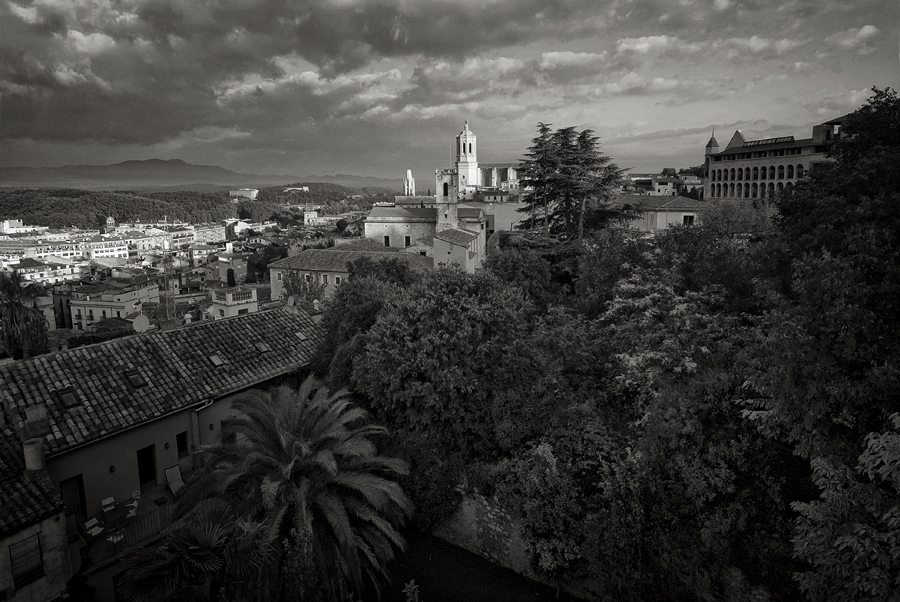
{"x":467,"y":162}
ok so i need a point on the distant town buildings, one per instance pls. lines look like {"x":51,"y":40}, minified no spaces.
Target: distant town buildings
{"x":243,"y":193}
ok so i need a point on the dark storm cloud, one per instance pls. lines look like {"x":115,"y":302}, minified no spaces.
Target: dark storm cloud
{"x":158,"y":73}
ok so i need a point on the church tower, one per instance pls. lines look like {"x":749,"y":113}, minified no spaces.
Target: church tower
{"x":447,"y":198}
{"x":467,"y":162}
{"x":409,"y":184}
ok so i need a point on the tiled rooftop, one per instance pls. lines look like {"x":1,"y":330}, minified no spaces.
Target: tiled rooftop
{"x":456,"y":237}
{"x":409,"y":213}
{"x":175,"y":366}
{"x":330,"y":260}
{"x":23,"y":500}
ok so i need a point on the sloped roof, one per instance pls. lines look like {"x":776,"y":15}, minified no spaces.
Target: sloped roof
{"x":408,"y":213}
{"x":469,"y":212}
{"x":456,"y":237}
{"x":362,"y":244}
{"x":330,"y":260}
{"x":28,"y":262}
{"x":175,"y":365}
{"x":664,"y":203}
{"x":23,"y":500}
{"x":412,"y":200}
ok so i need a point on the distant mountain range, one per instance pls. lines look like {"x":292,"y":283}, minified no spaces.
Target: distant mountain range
{"x":173,"y":174}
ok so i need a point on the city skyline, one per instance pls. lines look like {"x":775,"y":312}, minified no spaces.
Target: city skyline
{"x":345,"y":86}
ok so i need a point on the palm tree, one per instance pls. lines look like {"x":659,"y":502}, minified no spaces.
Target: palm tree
{"x":304,"y":464}
{"x":208,"y":554}
{"x":23,"y":330}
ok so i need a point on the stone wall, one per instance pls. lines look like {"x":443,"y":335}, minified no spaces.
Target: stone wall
{"x":481,"y":526}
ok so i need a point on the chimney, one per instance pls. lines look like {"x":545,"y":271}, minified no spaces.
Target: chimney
{"x":36,"y":422}
{"x":188,"y":318}
{"x":317,"y":305}
{"x":33,"y":450}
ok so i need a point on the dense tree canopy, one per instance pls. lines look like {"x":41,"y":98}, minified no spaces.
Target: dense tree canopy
{"x":707,"y":414}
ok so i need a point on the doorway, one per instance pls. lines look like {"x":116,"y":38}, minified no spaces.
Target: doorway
{"x":146,"y":458}
{"x":72,"y":492}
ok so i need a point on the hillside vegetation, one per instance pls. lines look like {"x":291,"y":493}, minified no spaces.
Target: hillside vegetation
{"x":61,"y":208}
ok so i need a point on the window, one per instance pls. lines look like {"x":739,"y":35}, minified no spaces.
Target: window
{"x":407,"y":241}
{"x":103,"y":314}
{"x":278,"y":275}
{"x":135,"y":379}
{"x":799,"y":171}
{"x":688,"y":220}
{"x":241,"y":312}
{"x":387,"y":241}
{"x":68,"y":397}
{"x":221,"y":313}
{"x":446,"y":190}
{"x":337,"y":280}
{"x":307,"y":277}
{"x":324,"y":278}
{"x":181,"y":444}
{"x":26,"y":562}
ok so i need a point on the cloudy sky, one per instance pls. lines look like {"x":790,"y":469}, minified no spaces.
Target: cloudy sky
{"x":376,"y":87}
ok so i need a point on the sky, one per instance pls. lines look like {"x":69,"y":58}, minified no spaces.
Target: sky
{"x":376,"y":87}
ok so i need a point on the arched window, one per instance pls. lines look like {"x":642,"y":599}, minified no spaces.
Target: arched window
{"x":772,"y":172}
{"x":740,"y":190}
{"x":789,"y":187}
{"x":780,"y":187}
{"x":718,"y":190}
{"x":725,"y":174}
{"x":446,"y":187}
{"x":771,"y":189}
{"x":799,"y":171}
{"x":754,"y":187}
{"x":781,"y":172}
{"x":746,"y":191}
{"x":732,"y":173}
{"x":740,"y":173}
{"x":470,"y":148}
{"x":755,"y":177}
{"x":790,"y":173}
{"x":731,"y":188}
{"x":712,"y":175}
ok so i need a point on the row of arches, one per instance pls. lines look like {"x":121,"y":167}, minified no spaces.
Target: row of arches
{"x":749,"y":191}
{"x":758,"y":173}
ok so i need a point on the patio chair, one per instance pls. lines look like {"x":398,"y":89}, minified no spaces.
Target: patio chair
{"x":93,"y":527}
{"x":174,"y":481}
{"x":108,"y":504}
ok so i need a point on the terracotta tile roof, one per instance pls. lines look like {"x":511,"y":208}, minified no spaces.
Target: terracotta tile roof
{"x":331,"y":260}
{"x":363,"y":244}
{"x":660,"y":203}
{"x":415,"y":201}
{"x":456,"y":237}
{"x":407,"y":213}
{"x":24,"y":500}
{"x":175,"y":365}
{"x":469,"y":212}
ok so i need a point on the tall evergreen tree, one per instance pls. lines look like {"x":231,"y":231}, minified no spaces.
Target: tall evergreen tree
{"x":537,"y":168}
{"x":569,"y":181}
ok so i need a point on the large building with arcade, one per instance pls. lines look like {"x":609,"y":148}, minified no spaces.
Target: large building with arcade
{"x":756,"y":169}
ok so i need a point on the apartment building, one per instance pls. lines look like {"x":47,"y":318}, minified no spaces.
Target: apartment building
{"x":113,"y":298}
{"x":95,"y":440}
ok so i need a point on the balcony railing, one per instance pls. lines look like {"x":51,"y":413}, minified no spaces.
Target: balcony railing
{"x":133,"y":532}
